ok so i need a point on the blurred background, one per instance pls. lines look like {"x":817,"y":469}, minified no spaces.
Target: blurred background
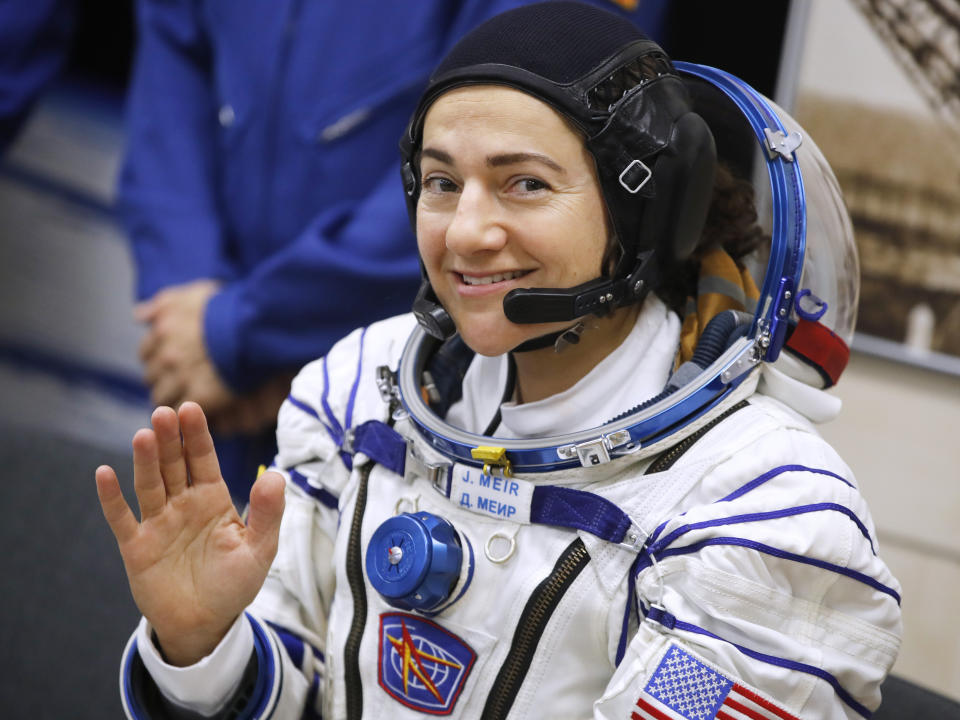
{"x":873,"y":81}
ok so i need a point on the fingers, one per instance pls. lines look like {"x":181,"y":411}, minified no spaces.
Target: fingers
{"x":173,"y":467}
{"x":263,"y":518}
{"x":115,"y":509}
{"x":147,"y":479}
{"x":198,"y":445}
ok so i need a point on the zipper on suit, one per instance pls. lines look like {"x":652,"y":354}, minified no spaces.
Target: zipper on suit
{"x":669,"y":457}
{"x":354,"y":570}
{"x":544,"y":600}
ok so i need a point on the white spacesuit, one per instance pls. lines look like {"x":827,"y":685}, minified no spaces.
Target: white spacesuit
{"x":655,"y":542}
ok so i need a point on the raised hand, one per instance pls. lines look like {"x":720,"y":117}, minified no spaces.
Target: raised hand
{"x":192,"y":564}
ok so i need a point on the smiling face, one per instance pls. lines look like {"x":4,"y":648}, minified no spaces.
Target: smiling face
{"x":510,"y":199}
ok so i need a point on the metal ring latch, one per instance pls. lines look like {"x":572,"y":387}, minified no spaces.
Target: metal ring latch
{"x":512,"y":539}
{"x":635,"y":171}
{"x":405,"y":504}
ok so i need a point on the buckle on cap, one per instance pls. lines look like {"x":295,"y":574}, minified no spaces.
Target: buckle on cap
{"x":633,"y":169}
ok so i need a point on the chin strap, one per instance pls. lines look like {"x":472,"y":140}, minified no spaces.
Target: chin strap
{"x":561,"y":339}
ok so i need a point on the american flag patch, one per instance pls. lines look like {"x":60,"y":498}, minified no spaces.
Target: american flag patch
{"x":683,"y":688}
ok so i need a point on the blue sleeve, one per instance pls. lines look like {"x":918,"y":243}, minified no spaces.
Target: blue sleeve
{"x":352,"y":265}
{"x":166,"y":192}
{"x":34,"y":42}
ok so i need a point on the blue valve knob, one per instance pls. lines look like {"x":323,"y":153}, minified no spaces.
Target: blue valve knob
{"x":414,"y":559}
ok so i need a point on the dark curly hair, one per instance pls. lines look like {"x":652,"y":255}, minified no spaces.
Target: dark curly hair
{"x":731,"y":224}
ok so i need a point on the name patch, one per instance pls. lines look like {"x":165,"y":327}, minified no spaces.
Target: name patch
{"x":504,"y":498}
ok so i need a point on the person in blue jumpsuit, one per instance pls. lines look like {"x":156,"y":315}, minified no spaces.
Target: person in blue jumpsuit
{"x":35,"y":40}
{"x":258,"y":189}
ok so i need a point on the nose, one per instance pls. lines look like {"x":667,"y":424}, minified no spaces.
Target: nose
{"x":477,"y":225}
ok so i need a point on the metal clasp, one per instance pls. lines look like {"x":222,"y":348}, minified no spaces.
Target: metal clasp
{"x":781,"y":144}
{"x":387,"y":384}
{"x":749,"y":358}
{"x":492,"y":457}
{"x":596,"y":451}
{"x":634,"y":538}
{"x":436,"y":474}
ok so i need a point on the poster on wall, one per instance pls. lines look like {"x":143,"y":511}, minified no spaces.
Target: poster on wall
{"x":876,"y":84}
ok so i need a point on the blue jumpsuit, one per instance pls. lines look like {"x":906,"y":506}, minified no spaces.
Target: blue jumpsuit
{"x":34,"y":43}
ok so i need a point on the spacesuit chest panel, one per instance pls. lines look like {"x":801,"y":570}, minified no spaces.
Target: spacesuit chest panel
{"x":536,"y":611}
{"x":524,"y":611}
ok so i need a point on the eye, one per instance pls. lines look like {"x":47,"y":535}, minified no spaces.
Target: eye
{"x":439,"y":184}
{"x":529,"y":185}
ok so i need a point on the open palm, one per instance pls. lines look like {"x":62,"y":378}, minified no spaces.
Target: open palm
{"x":192,"y":563}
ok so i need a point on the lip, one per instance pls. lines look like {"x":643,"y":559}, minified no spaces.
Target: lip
{"x":493,"y":288}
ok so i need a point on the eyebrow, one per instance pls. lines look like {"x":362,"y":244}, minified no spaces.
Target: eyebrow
{"x":496,"y":160}
{"x":437,"y":155}
{"x":514,"y":158}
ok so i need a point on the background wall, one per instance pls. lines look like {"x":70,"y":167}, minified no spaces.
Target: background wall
{"x":899,"y":427}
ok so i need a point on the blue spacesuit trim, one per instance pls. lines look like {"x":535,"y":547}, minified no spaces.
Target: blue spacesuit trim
{"x":382,"y":444}
{"x":335,"y":428}
{"x":317,"y":493}
{"x":300,"y":405}
{"x":565,"y":507}
{"x":628,"y":608}
{"x":348,"y":418}
{"x":755,"y":483}
{"x":659,"y":545}
{"x":294,"y":644}
{"x":777,"y":552}
{"x":269,"y":674}
{"x":129,"y":699}
{"x":661,"y":616}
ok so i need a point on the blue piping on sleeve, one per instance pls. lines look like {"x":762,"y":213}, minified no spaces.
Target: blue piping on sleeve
{"x":777,"y":552}
{"x":356,"y":383}
{"x":294,"y":644}
{"x":269,"y":674}
{"x":323,"y":495}
{"x":759,"y":516}
{"x":335,"y":428}
{"x":755,"y":483}
{"x":129,"y":699}
{"x":300,"y":405}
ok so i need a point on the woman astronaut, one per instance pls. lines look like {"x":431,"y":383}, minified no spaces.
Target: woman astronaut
{"x":542,"y":494}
